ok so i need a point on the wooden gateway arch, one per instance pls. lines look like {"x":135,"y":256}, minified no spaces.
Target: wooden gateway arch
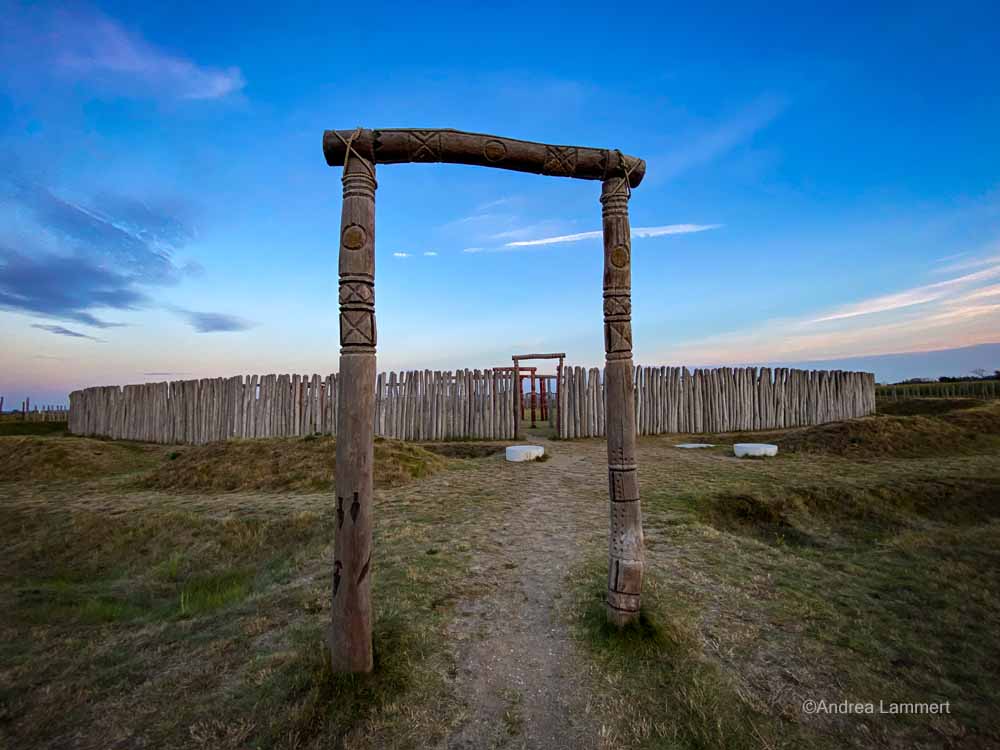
{"x":358,"y":151}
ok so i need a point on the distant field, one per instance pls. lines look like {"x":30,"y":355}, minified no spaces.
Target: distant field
{"x":969,"y":388}
{"x":16,"y":427}
{"x":177,"y":596}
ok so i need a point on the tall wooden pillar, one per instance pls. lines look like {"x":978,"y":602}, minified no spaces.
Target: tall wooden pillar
{"x":625,"y":546}
{"x":351,"y":620}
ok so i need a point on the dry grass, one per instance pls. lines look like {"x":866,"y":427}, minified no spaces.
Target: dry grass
{"x":186,"y":619}
{"x":52,"y":458}
{"x":302,"y":464}
{"x":915,"y":428}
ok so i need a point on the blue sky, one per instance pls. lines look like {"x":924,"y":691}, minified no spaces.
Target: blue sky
{"x":165,"y":206}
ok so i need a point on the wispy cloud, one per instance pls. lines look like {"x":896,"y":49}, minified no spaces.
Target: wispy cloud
{"x":65,"y":288}
{"x":84,"y":44}
{"x":969,"y":263}
{"x":636,"y":232}
{"x":402,"y":255}
{"x":916,"y":296}
{"x":61,"y":331}
{"x":69,"y":260}
{"x":712,"y":142}
{"x":430,"y":253}
{"x":952,"y":256}
{"x":962,"y":311}
{"x":213,"y":322}
{"x":983,"y":293}
{"x":472,"y":250}
{"x":484,"y":207}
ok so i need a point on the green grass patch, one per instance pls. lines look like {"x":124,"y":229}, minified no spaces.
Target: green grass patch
{"x":208,"y":593}
{"x":65,"y":601}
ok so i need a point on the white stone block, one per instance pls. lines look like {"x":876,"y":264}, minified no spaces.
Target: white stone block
{"x":524,"y":452}
{"x":755,"y":449}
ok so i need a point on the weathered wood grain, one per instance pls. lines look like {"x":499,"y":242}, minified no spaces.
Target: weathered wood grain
{"x":404,"y":145}
{"x":351,"y":608}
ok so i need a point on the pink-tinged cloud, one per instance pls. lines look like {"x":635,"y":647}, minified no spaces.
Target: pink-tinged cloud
{"x":84,"y":44}
{"x":958,"y":312}
{"x":917,"y":296}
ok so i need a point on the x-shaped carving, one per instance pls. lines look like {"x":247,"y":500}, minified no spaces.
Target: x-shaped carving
{"x":426,"y":145}
{"x":617,"y":306}
{"x":357,"y":327}
{"x":355,"y":292}
{"x":560,"y":160}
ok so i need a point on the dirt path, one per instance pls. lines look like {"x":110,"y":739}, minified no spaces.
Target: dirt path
{"x":519,"y":671}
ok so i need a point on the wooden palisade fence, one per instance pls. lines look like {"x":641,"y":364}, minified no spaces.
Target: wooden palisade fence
{"x":724,"y":399}
{"x":45,"y":413}
{"x":986,"y":389}
{"x":467,"y":404}
{"x":416,"y":405}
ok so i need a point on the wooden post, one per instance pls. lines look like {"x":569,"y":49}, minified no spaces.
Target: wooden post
{"x":518,"y":405}
{"x":625,"y":546}
{"x":559,"y":401}
{"x":351,"y":617}
{"x":543,"y":400}
{"x":533,"y":386}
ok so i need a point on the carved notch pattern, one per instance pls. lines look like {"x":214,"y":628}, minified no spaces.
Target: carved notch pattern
{"x":618,"y":336}
{"x":615,"y":306}
{"x":625,"y":580}
{"x":623,"y":486}
{"x":560,"y":160}
{"x":356,"y":292}
{"x":357,"y":327}
{"x":618,"y":520}
{"x":425,"y":145}
{"x":364,"y":570}
{"x":337,"y":567}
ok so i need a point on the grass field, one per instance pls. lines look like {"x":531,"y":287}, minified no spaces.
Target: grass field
{"x":176,"y":596}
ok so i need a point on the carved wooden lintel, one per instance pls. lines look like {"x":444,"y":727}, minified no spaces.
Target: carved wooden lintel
{"x":402,"y":145}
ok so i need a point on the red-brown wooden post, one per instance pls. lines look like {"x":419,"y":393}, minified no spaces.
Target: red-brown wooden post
{"x":533,"y":383}
{"x":351,"y":617}
{"x":625,"y":544}
{"x":542,"y":385}
{"x":518,"y":401}
{"x":559,"y":414}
